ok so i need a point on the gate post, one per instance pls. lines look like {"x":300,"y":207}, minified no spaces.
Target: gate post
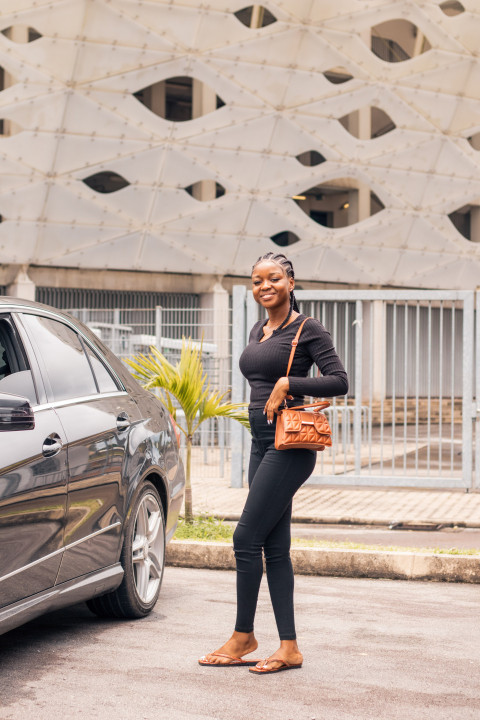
{"x":467,"y":390}
{"x":375,"y":325}
{"x":238,"y":383}
{"x":477,"y":398}
{"x":357,"y":412}
{"x":158,"y":327}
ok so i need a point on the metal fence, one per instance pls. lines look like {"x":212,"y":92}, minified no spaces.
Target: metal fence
{"x":408,"y":417}
{"x":61,"y":297}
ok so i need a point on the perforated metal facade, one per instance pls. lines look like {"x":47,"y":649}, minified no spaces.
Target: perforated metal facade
{"x":69,"y":103}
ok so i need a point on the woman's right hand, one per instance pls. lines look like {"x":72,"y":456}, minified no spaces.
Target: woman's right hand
{"x":276,"y":399}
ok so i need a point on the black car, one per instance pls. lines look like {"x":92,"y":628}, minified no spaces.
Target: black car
{"x":91,"y":481}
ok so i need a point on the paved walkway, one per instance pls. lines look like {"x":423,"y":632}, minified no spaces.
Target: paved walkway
{"x":355,"y":505}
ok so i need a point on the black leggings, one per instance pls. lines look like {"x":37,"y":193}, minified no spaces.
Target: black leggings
{"x":274,"y":477}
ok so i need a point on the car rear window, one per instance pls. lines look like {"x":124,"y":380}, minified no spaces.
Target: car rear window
{"x":62,"y":357}
{"x":105,"y":381}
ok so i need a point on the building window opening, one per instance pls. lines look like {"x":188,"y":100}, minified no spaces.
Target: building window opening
{"x":179,"y":99}
{"x":285,"y":238}
{"x":467,"y":221}
{"x":339,"y":203}
{"x":452,"y":7}
{"x":398,"y":40}
{"x":255,"y":16}
{"x":21,"y":34}
{"x":338,"y":75}
{"x":369,"y":122}
{"x":106,"y":182}
{"x":310,"y":158}
{"x":474,"y":141}
{"x":376,"y":204}
{"x":205,"y":190}
{"x":7,"y":127}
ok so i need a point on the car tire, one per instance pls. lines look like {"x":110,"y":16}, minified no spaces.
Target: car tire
{"x":142,"y":559}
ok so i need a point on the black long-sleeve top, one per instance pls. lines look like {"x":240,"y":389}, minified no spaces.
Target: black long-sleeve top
{"x":263,"y":363}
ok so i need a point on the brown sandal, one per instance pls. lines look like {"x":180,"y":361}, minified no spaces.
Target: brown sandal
{"x":234,"y":661}
{"x":264,"y":670}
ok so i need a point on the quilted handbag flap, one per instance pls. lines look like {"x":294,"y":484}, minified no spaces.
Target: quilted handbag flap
{"x":292,"y":420}
{"x":321,"y":423}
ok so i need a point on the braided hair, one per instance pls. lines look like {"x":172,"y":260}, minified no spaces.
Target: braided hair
{"x":287,"y":268}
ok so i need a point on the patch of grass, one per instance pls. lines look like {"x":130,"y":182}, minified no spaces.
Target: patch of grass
{"x":206,"y":528}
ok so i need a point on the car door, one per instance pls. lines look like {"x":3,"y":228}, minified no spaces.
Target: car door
{"x":33,"y":478}
{"x":96,"y":414}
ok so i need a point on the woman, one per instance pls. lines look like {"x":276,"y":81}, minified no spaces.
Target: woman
{"x":274,"y":475}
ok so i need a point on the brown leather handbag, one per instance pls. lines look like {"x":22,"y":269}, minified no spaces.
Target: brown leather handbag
{"x":298,"y":427}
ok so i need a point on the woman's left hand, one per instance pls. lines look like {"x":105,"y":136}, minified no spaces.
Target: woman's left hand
{"x":277,"y":396}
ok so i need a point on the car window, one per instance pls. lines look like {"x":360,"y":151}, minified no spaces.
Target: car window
{"x":5,"y":368}
{"x":66,"y":365}
{"x":15,"y":375}
{"x":105,"y":381}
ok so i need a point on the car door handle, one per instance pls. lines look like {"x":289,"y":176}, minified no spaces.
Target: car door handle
{"x":123,"y":421}
{"x":51,"y":445}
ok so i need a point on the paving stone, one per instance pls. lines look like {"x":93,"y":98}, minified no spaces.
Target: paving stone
{"x":383,"y":506}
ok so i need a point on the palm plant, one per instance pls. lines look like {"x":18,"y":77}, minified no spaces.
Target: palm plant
{"x":187,"y":383}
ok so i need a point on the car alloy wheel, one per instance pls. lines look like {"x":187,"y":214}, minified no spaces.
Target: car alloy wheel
{"x":148,"y":547}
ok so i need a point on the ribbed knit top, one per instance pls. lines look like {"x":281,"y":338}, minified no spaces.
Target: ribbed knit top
{"x":263,"y":363}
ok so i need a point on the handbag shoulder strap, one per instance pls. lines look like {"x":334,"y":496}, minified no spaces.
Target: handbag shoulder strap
{"x":294,"y":345}
{"x":321,"y":405}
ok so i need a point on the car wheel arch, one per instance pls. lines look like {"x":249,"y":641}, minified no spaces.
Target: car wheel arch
{"x":159,"y":483}
{"x":155,"y":476}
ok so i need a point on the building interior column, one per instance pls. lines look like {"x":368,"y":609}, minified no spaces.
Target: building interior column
{"x":22,"y":286}
{"x":214,"y":317}
{"x":204,"y":100}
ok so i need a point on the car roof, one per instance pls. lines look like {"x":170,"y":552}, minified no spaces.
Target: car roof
{"x":14,"y":304}
{"x":10,"y":301}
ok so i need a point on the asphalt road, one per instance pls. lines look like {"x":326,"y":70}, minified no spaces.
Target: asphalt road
{"x":374,"y":535}
{"x":374,"y":649}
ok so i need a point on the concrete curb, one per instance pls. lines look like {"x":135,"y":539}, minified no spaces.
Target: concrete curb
{"x":355,"y":520}
{"x":338,"y":562}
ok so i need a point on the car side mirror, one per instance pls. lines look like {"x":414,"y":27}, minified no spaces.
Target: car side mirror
{"x":15,"y":413}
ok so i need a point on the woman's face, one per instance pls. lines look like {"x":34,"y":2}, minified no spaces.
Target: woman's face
{"x":270,"y":285}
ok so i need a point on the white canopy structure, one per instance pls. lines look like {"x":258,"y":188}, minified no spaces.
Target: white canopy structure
{"x":182,"y":136}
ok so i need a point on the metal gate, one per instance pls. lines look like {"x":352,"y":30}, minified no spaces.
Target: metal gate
{"x":408,"y":419}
